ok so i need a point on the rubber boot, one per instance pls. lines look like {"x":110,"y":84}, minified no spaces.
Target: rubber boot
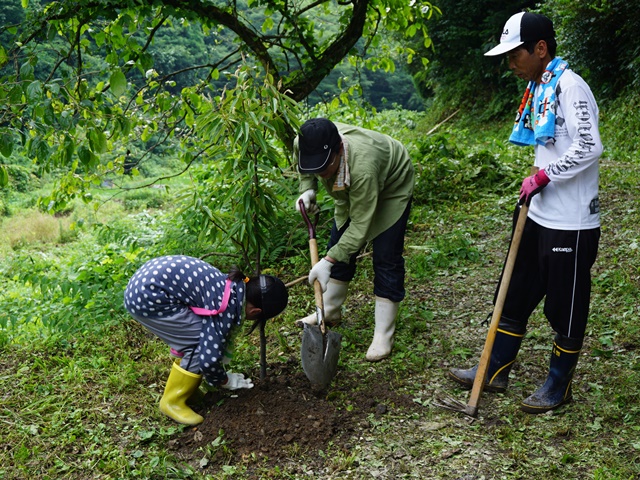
{"x":386,"y":313}
{"x":556,"y":390}
{"x":332,"y":299}
{"x":181,"y":384}
{"x":505,"y":349}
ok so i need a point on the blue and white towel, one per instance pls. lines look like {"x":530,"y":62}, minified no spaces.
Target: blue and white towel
{"x":543,"y":129}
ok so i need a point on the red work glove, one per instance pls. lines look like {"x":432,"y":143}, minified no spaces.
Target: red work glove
{"x":532,"y":185}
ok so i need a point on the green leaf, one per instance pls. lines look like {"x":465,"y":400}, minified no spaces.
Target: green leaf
{"x":48,"y":115}
{"x":146,"y":61}
{"x":3,"y":57}
{"x":99,"y":38}
{"x":34,"y":90}
{"x":6,"y":144}
{"x":25,"y":3}
{"x":67,"y":150}
{"x":15,"y":94}
{"x":4,"y":176}
{"x":125,"y":125}
{"x":84,"y":154}
{"x":267,"y":25}
{"x":97,"y":140}
{"x":118,"y":83}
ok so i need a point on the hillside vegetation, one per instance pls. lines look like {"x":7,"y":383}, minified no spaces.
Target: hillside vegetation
{"x":134,"y":129}
{"x":81,"y":380}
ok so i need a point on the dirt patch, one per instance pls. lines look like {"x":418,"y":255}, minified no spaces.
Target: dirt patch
{"x":284,"y":417}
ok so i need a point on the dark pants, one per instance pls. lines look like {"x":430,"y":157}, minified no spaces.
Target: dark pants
{"x":554,"y":265}
{"x":388,"y":262}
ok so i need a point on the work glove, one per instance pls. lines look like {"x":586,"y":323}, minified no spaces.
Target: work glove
{"x":236,"y":381}
{"x":532,"y":185}
{"x":309,"y":199}
{"x":321,"y":271}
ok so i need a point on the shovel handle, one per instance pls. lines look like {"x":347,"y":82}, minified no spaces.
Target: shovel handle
{"x":313,"y":252}
{"x":478,"y":383}
{"x":317,"y":288}
{"x":311,"y":226}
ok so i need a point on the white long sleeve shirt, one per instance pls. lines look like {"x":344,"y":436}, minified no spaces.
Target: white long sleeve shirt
{"x":570,"y":200}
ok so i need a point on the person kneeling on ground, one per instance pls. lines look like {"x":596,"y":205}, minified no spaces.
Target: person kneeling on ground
{"x":195,"y":309}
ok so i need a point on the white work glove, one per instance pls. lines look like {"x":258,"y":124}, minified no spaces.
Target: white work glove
{"x":309,"y":200}
{"x":321,"y":271}
{"x":236,"y":381}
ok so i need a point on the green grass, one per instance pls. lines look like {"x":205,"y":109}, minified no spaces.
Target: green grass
{"x":33,"y":227}
{"x":82,"y":404}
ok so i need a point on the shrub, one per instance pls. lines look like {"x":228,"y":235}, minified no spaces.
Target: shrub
{"x":144,"y":198}
{"x":446,"y":172}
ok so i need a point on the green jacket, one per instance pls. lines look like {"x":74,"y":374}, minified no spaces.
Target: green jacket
{"x":382,"y":180}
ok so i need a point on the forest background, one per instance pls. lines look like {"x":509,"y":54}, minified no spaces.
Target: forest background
{"x":119,"y":119}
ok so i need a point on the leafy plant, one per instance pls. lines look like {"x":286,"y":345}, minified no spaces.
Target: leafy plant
{"x":217,"y":448}
{"x":101,"y":97}
{"x":61,"y":293}
{"x":446,"y":172}
{"x":237,"y":197}
{"x":447,"y":251}
{"x":147,"y":198}
{"x":581,"y":24}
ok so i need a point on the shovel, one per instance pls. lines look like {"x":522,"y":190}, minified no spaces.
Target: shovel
{"x":320,"y":348}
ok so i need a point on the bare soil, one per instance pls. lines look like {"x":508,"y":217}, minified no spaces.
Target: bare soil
{"x":284,"y":415}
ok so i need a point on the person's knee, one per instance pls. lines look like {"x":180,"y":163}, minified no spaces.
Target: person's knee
{"x":343,"y":271}
{"x":389,"y":285}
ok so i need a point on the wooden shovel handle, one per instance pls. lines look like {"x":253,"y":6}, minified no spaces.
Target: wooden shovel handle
{"x":313,"y":251}
{"x":478,"y":383}
{"x":317,"y":288}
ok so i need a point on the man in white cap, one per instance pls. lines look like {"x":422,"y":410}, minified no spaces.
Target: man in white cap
{"x":559,"y":117}
{"x":370,"y":177}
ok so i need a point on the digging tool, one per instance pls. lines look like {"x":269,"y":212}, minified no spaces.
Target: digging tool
{"x":471,"y":408}
{"x":320,"y":348}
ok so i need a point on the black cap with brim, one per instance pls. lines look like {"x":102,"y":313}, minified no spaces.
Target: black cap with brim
{"x":317,"y":139}
{"x":520,"y":28}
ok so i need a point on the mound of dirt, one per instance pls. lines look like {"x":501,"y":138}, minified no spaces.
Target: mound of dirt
{"x":283,"y":416}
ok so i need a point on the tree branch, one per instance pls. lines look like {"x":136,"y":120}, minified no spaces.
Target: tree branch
{"x":297,"y":83}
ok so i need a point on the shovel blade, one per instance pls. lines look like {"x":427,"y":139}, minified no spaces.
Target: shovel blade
{"x":320,"y":359}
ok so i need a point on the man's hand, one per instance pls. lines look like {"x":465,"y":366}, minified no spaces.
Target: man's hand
{"x":321,"y":271}
{"x":532,"y":185}
{"x":236,"y":381}
{"x":309,"y":200}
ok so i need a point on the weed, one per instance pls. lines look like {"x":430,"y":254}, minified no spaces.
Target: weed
{"x":34,"y":228}
{"x":445,"y":252}
{"x":218,"y":450}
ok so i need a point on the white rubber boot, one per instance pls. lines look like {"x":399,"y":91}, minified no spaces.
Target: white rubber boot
{"x":333,"y":299}
{"x":386,"y":313}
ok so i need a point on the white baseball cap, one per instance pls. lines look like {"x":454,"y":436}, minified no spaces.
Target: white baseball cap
{"x":520,"y":28}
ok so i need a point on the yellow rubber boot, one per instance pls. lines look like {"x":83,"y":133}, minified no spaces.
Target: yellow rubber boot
{"x":181,"y":384}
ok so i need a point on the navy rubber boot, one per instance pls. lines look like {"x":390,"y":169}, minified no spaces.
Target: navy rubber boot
{"x":503,"y":355}
{"x":556,"y":390}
